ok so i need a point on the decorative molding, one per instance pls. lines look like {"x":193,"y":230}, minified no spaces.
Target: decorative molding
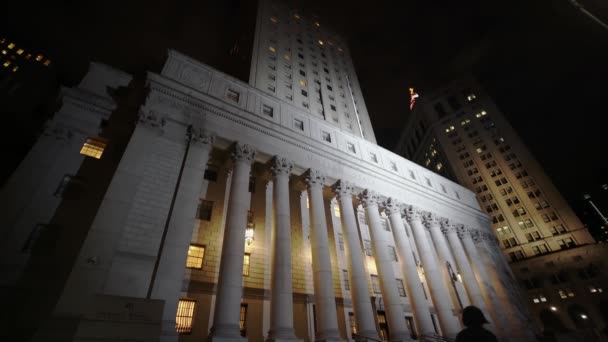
{"x":392,"y":206}
{"x":430,"y":220}
{"x":460,"y":230}
{"x":58,"y":132}
{"x":315,"y":178}
{"x":201,"y":136}
{"x":152,"y":119}
{"x":242,"y":153}
{"x":413,"y":214}
{"x":281,"y":166}
{"x":447,"y":227}
{"x":369,"y":198}
{"x":344,"y":189}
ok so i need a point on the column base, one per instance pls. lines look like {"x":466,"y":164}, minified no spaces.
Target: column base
{"x":329,"y":336}
{"x":282,"y":334}
{"x":226,"y":333}
{"x":373,"y":334}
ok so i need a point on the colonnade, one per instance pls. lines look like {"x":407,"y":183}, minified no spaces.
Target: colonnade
{"x":448,"y":254}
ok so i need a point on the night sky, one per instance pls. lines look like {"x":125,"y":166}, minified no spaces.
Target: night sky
{"x":544,"y":63}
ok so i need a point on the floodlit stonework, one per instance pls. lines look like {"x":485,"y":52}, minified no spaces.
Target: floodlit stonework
{"x":348,"y":236}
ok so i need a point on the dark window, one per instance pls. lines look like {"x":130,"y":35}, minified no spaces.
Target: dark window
{"x":204,"y":210}
{"x":440,"y":110}
{"x":302,"y":72}
{"x":211,"y":173}
{"x":304,"y":93}
{"x":453,"y":102}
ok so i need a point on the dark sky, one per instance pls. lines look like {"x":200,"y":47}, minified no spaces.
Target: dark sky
{"x":544,"y":63}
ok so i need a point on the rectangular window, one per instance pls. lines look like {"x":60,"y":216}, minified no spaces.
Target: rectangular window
{"x":204,"y":210}
{"x":243,"y":320}
{"x":340,"y":241}
{"x":246,"y":263}
{"x":351,"y":147}
{"x":196,"y":253}
{"x":233,"y":95}
{"x":267,"y":110}
{"x":373,"y":157}
{"x":93,"y":147}
{"x":353,"y":324}
{"x":326,"y":136}
{"x":400,"y":287}
{"x":332,"y":107}
{"x":392,"y":253}
{"x":184,"y":316}
{"x":375,"y":283}
{"x":299,"y":124}
{"x":210,"y":173}
{"x":393,"y":166}
{"x":337,"y":212}
{"x":304,"y":93}
{"x":367,"y":245}
{"x":345,"y":276}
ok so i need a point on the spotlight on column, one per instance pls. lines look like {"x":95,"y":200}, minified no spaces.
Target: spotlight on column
{"x":553,"y":308}
{"x":249,"y":230}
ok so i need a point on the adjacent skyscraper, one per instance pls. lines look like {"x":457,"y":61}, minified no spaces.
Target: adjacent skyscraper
{"x":458,"y":131}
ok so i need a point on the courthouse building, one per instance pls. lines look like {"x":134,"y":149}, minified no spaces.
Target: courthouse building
{"x":202,"y":207}
{"x":459,"y":132}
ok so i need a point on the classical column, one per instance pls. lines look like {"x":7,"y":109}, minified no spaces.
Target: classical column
{"x":415,"y":292}
{"x":388,"y":284}
{"x":485,"y":285}
{"x":281,"y":292}
{"x":230,"y":282}
{"x":325,"y":300}
{"x":359,"y":289}
{"x":447,"y":260}
{"x":448,"y":320}
{"x":453,"y":233}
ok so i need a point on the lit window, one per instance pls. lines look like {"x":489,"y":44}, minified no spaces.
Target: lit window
{"x":15,"y":68}
{"x":4,"y":52}
{"x":297,"y":16}
{"x":287,"y":56}
{"x":243,"y":320}
{"x":439,"y":166}
{"x":273,"y":19}
{"x":39,"y":58}
{"x":337,"y":211}
{"x":47,"y":62}
{"x":28,"y":56}
{"x":11,"y":45}
{"x":272,"y":49}
{"x":184,"y":316}
{"x":307,"y":203}
{"x":93,"y":148}
{"x":471,"y":97}
{"x":317,"y":24}
{"x":320,"y":42}
{"x":246,"y":260}
{"x":195,"y":256}
{"x":303,"y":83}
{"x":7,"y":63}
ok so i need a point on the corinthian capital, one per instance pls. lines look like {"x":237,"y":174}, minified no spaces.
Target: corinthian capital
{"x":412,"y":213}
{"x":430,"y":220}
{"x":242,"y":153}
{"x":281,"y":166}
{"x":315,"y":178}
{"x":446,"y":226}
{"x":343,"y":189}
{"x":368,"y":198}
{"x":200,"y":135}
{"x":460,"y":229}
{"x":392,"y":206}
{"x":151,"y":118}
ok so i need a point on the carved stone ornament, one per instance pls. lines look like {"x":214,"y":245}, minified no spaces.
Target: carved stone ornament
{"x":460,"y":230}
{"x":412,"y":214}
{"x":315,"y":178}
{"x":151,"y":118}
{"x":200,"y":136}
{"x":369,"y":198}
{"x":447,"y":227}
{"x":243,"y":153}
{"x":430,"y":220}
{"x":344,"y":189}
{"x":392,"y":206}
{"x":281,"y":166}
{"x":475,"y":235}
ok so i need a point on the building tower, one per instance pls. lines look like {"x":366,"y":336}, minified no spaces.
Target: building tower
{"x":224,"y":211}
{"x":459,"y":132}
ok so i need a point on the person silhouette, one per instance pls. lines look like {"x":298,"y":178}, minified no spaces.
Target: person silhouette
{"x":474,"y":320}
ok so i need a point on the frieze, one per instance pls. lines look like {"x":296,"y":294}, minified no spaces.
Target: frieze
{"x":152,"y":119}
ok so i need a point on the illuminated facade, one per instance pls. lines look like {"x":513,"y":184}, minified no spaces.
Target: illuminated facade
{"x":220,"y":210}
{"x":458,"y":131}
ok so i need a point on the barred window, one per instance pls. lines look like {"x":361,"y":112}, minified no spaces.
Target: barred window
{"x":367,"y":246}
{"x":204,"y":210}
{"x":196,"y":254}
{"x":184,"y":316}
{"x":93,"y":147}
{"x":375,"y":283}
{"x":243,"y":320}
{"x":400,"y":287}
{"x":345,"y":276}
{"x":246,"y":264}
